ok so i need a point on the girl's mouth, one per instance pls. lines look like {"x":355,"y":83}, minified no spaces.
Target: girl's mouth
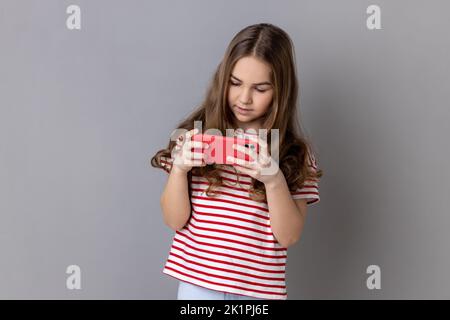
{"x":243,"y":111}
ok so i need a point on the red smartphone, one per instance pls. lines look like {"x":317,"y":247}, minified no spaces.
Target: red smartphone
{"x":220,"y":147}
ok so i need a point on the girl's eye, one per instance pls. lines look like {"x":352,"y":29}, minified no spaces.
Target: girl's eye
{"x":238,"y":84}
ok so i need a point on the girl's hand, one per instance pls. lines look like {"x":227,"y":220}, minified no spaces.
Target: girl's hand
{"x":263,"y":167}
{"x":183,"y":157}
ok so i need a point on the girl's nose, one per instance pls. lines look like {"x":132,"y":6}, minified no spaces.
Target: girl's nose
{"x":245,"y":97}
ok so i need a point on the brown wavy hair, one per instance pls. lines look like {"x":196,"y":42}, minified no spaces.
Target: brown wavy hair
{"x":274,"y":46}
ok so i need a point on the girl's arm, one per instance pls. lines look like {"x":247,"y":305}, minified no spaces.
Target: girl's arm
{"x":286,"y":219}
{"x":175,"y":202}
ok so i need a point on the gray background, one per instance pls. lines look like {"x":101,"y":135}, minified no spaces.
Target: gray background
{"x":82,"y":112}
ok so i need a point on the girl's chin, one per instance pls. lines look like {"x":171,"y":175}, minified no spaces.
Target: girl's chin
{"x":243,"y":120}
{"x":243,"y":115}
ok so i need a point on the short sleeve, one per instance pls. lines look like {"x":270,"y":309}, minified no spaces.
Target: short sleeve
{"x":310,"y":190}
{"x":166,"y":163}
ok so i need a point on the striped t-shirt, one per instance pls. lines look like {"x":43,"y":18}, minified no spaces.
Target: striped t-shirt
{"x":228,"y":244}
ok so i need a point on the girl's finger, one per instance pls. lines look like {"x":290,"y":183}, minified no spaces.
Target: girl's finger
{"x":252,"y":153}
{"x":197,"y":155}
{"x":195,"y":144}
{"x":190,"y":133}
{"x":241,"y":162}
{"x":263,"y":144}
{"x":189,"y":154}
{"x":187,"y":147}
{"x":196,"y":163}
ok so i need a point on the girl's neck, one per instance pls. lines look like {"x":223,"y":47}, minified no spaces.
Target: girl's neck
{"x":256,"y":125}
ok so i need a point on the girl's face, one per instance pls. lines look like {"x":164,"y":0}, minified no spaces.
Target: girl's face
{"x":250,"y":89}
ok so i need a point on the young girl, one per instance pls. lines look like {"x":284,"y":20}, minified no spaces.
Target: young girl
{"x":233,"y":223}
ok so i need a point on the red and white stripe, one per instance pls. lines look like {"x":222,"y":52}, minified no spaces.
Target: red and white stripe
{"x":228,"y":244}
